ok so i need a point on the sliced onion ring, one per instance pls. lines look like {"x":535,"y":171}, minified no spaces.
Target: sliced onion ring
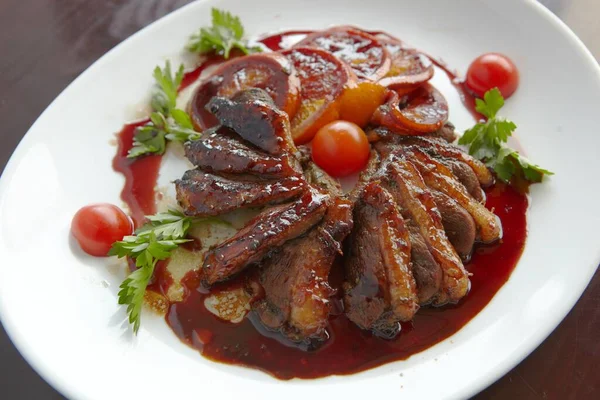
{"x":368,"y":58}
{"x":424,"y":110}
{"x":409,"y":68}
{"x":322,"y":79}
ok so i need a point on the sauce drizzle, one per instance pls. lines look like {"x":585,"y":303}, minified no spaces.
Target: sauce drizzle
{"x":349,"y":349}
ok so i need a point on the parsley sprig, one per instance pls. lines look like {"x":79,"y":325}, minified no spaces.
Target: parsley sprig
{"x":486,"y":141}
{"x":151,"y":243}
{"x":225,"y":34}
{"x":167,"y":123}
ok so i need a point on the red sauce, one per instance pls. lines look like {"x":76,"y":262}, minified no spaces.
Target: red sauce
{"x":140,"y":175}
{"x":192,"y":76}
{"x":349,"y":348}
{"x":466,"y":97}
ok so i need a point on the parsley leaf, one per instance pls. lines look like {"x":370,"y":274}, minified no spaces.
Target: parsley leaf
{"x":490,"y":105}
{"x":167,"y":123}
{"x":148,"y":139}
{"x":164,"y":97}
{"x":152,"y":242}
{"x":172,"y":224}
{"x":225,"y":34}
{"x":487,"y":142}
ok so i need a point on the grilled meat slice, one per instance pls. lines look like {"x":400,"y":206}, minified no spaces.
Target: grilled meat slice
{"x":366,"y":175}
{"x":219,"y":150}
{"x":203,"y":194}
{"x":321,"y":180}
{"x":458,"y":224}
{"x":437,"y":176}
{"x":264,"y":233}
{"x":294,"y":280}
{"x":446,"y":132}
{"x":426,"y":271}
{"x":379,"y":287}
{"x":252,"y":114}
{"x":408,"y":189}
{"x":441,"y":148}
{"x":436,"y":144}
{"x":465,"y":175}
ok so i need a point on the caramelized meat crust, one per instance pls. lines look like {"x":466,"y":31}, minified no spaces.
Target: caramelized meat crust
{"x":253,"y":115}
{"x":379,"y":288}
{"x":203,"y":194}
{"x":408,"y":188}
{"x":266,"y":232}
{"x":294,"y":280}
{"x":437,"y":176}
{"x":220,"y":151}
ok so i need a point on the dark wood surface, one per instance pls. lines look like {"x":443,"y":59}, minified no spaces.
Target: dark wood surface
{"x":45,"y":44}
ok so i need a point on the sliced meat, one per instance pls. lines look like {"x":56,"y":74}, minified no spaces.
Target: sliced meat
{"x":253,"y":115}
{"x":204,"y":194}
{"x":409,"y":190}
{"x":294,"y":280}
{"x":446,"y":132}
{"x":321,"y":180}
{"x":365,"y":176}
{"x":437,"y":176}
{"x":426,"y":271}
{"x":469,"y":171}
{"x":219,"y":150}
{"x":458,"y":224}
{"x":466,"y":176}
{"x":266,"y":232}
{"x":443,"y":149}
{"x":379,"y":289}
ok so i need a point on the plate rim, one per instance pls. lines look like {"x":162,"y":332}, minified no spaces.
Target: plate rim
{"x":503,"y":367}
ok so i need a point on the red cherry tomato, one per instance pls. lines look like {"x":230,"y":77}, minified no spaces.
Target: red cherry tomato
{"x":493,"y":70}
{"x":340,"y":148}
{"x":96,"y":227}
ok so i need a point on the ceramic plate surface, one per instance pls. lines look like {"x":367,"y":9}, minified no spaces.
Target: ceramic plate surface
{"x":59,"y":306}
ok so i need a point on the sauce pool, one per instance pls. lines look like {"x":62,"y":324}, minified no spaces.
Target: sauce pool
{"x":349,"y":349}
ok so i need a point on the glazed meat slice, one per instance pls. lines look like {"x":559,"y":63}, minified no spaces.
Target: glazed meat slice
{"x":409,"y":190}
{"x":446,"y":132}
{"x":465,"y":175}
{"x":426,"y":271}
{"x":253,"y":115}
{"x":321,"y":180}
{"x":379,"y":288}
{"x":264,"y":233}
{"x":458,"y":224}
{"x":366,"y":175}
{"x":294,"y":280}
{"x":203,"y":194}
{"x":219,"y":150}
{"x":437,"y":176}
{"x":441,"y":148}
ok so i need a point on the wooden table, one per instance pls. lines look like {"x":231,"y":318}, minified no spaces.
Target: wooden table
{"x":44,"y":45}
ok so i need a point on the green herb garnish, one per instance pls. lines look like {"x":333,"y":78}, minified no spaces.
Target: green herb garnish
{"x":167,"y":123}
{"x":486,"y":141}
{"x":151,"y":243}
{"x":225,"y":34}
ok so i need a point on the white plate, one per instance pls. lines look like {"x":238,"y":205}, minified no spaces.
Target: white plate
{"x":59,"y":306}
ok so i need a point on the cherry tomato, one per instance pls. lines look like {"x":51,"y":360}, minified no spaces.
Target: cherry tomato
{"x":96,"y":227}
{"x":493,"y":70}
{"x":340,"y":148}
